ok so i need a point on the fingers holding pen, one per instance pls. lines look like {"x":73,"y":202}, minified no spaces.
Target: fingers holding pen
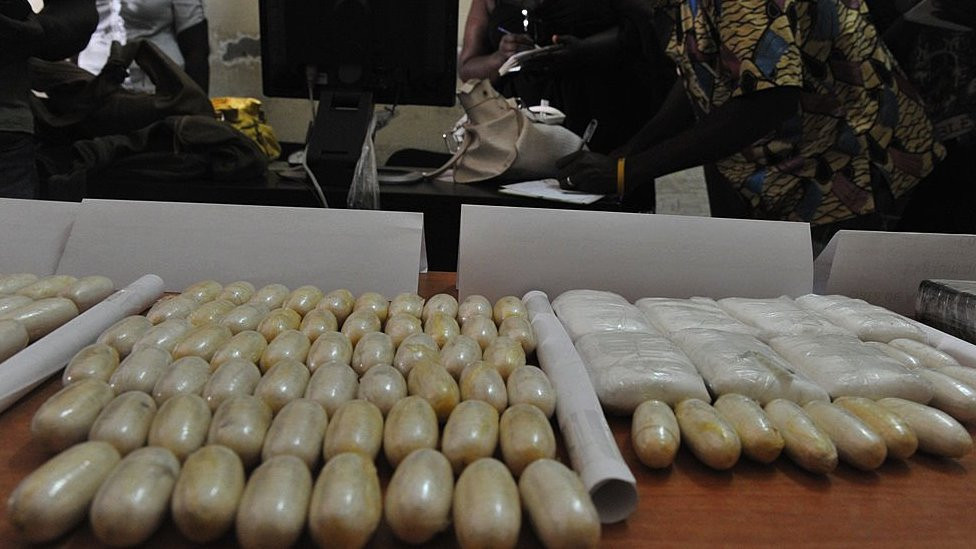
{"x":511,"y":44}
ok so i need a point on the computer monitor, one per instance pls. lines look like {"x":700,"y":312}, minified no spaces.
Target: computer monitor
{"x":351,"y":54}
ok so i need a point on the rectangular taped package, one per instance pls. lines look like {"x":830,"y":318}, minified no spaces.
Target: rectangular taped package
{"x":670,"y":316}
{"x":739,"y":363}
{"x":588,"y":311}
{"x":779,"y":316}
{"x":948,"y":305}
{"x":628,"y":368}
{"x":868,"y":322}
{"x":846,"y":366}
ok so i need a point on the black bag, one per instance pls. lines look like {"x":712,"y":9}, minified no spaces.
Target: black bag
{"x":80,"y":105}
{"x":90,"y":127}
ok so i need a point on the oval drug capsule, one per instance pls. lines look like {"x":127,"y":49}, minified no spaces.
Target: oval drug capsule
{"x":241,"y":423}
{"x":558,"y":505}
{"x":418,"y":498}
{"x":124,"y":422}
{"x":486,"y":508}
{"x":346,"y":504}
{"x":132,"y":502}
{"x":471,"y":433}
{"x":898,"y":436}
{"x":938,"y":433}
{"x":55,"y":498}
{"x":66,"y":417}
{"x":803,"y":441}
{"x":410,"y":425}
{"x":525,"y":435}
{"x":760,"y":440}
{"x":856,"y":443}
{"x":207,"y":492}
{"x":654,"y":434}
{"x":274,"y":504}
{"x":297,"y":430}
{"x":706,"y":433}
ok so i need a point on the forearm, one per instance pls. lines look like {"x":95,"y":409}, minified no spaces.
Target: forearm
{"x":481,"y":66}
{"x":673,"y":117}
{"x":726,"y":130}
{"x":195,"y":47}
{"x":67,"y":25}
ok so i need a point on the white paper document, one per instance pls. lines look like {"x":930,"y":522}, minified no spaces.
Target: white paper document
{"x":589,"y":441}
{"x":548,"y":189}
{"x":33,"y":234}
{"x":887,"y":268}
{"x":185,"y":243}
{"x":510,"y":251}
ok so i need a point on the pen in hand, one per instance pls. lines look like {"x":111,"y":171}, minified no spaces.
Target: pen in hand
{"x":588,"y":133}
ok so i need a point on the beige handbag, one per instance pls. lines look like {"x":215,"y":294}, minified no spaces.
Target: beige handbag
{"x":499,"y":139}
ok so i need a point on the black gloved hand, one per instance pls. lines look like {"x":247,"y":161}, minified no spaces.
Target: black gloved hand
{"x":588,"y":172}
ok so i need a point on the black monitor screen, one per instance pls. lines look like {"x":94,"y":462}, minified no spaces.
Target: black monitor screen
{"x":403,"y":51}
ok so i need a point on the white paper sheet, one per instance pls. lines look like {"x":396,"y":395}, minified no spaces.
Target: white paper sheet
{"x":33,"y":234}
{"x":589,"y":441}
{"x":510,"y":251}
{"x":26,"y":369}
{"x":886,"y":268}
{"x":548,"y":189}
{"x":185,"y":243}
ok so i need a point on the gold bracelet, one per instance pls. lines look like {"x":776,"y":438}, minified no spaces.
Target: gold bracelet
{"x":620,"y":175}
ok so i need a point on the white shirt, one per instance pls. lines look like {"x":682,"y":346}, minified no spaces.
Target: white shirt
{"x":158,"y":21}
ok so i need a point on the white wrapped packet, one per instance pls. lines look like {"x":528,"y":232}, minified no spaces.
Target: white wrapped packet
{"x":846,"y":366}
{"x":779,"y":316}
{"x":670,"y":316}
{"x":739,"y":363}
{"x":587,"y":311}
{"x":869,"y":322}
{"x":628,"y":368}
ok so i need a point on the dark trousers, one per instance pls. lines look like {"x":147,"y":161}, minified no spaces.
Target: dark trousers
{"x":18,"y":176}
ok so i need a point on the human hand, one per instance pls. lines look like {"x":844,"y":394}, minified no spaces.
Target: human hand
{"x":512,"y":43}
{"x":588,"y":172}
{"x":563,"y":54}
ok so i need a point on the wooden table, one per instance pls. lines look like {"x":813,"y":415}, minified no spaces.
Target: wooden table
{"x":922,"y":501}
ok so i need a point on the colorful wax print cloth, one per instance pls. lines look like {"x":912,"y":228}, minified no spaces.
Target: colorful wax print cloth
{"x":857,"y":109}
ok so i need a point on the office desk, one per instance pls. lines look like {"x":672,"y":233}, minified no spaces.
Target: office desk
{"x":439,"y":201}
{"x":922,"y":502}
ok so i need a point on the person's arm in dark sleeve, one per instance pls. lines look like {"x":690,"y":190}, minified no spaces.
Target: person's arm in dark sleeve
{"x":723,"y":132}
{"x":674,"y":116}
{"x":194,"y":43}
{"x":726,"y":130}
{"x":67,"y":27}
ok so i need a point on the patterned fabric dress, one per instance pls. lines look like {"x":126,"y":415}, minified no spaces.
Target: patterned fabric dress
{"x":856,"y":109}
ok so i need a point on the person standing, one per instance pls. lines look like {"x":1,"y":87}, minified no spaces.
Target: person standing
{"x":178,"y":27}
{"x":796,"y":108}
{"x":59,"y":31}
{"x":601,"y":64}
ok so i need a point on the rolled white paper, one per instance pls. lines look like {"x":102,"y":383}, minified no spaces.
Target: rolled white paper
{"x":26,"y":369}
{"x":589,"y":441}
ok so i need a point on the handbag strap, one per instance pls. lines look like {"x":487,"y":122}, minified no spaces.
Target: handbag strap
{"x":451,"y":162}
